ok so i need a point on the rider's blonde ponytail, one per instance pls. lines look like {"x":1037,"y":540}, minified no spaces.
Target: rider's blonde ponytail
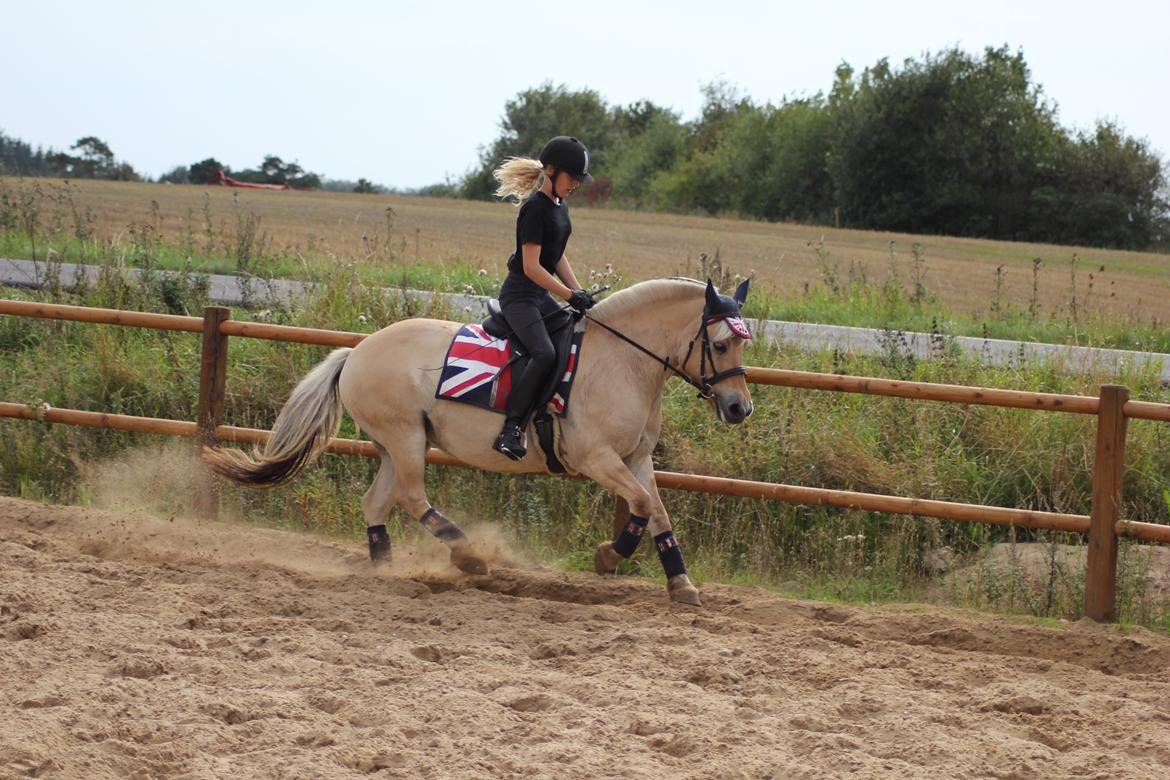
{"x":518,"y":177}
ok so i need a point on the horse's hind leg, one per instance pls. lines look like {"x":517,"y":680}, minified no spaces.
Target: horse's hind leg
{"x":409,"y":454}
{"x":376,"y":505}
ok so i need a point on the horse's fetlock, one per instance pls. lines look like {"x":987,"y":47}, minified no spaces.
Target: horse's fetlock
{"x":670,"y":554}
{"x":442,"y":528}
{"x":379,"y":544}
{"x":631,"y":533}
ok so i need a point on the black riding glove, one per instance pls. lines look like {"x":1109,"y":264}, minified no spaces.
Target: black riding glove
{"x":581,"y":300}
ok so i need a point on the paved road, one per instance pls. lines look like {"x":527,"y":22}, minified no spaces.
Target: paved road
{"x":238,"y":291}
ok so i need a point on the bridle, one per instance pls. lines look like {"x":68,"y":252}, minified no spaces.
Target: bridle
{"x":706,"y":354}
{"x":704,"y":384}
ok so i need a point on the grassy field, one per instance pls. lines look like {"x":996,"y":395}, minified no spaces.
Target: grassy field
{"x":959,"y":286}
{"x":973,"y":454}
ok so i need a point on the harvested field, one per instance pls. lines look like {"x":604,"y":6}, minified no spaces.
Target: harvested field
{"x":350,"y":227}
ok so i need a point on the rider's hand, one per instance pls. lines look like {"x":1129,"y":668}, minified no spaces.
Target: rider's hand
{"x":581,"y":300}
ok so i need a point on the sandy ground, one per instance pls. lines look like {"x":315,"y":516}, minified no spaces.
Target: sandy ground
{"x":132,"y":647}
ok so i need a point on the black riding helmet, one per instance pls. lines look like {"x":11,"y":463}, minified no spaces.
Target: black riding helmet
{"x":565,"y":153}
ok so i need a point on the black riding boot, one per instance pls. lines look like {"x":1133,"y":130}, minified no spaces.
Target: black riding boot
{"x":525,"y":385}
{"x":511,"y":440}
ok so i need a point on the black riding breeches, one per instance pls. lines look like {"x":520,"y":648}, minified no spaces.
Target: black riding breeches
{"x":528,"y":313}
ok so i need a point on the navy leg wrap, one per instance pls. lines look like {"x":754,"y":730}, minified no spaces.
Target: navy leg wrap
{"x":379,"y":543}
{"x":627,"y":541}
{"x":441,"y":527}
{"x":670,"y":554}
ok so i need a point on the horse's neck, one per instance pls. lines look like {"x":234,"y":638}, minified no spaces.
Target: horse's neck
{"x":663,"y":328}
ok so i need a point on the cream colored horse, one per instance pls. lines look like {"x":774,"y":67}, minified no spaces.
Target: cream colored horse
{"x":387,"y":383}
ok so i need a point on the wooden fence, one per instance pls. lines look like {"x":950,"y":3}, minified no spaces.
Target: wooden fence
{"x":1103,"y":525}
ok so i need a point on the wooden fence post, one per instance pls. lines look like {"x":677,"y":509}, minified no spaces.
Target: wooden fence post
{"x":212,"y":379}
{"x":1108,"y":471}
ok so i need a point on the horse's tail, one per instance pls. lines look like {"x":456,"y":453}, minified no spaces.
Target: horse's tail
{"x":309,"y":419}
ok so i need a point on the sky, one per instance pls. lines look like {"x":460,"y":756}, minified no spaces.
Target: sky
{"x":405,"y":94}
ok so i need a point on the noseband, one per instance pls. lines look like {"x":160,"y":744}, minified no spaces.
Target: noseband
{"x":704,"y":384}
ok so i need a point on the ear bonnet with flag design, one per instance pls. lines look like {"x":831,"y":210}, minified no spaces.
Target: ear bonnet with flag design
{"x":728,"y":309}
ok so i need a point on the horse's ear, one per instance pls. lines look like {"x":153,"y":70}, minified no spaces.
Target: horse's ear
{"x":712,"y":296}
{"x":741,"y":292}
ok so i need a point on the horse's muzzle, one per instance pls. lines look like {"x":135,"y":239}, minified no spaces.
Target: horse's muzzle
{"x":732,"y":409}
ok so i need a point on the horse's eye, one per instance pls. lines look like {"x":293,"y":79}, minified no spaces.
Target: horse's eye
{"x":720,"y":347}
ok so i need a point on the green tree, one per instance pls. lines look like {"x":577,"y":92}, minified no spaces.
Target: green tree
{"x":18,"y":158}
{"x":277,"y":171}
{"x":774,"y":158}
{"x":1107,"y":189}
{"x":205,"y":171}
{"x":700,"y":180}
{"x":94,"y":160}
{"x":274,"y":170}
{"x":952,"y":144}
{"x":635,"y":119}
{"x":648,"y":148}
{"x":764,"y":161}
{"x":365,"y":187}
{"x":176,"y":175}
{"x":533,"y":117}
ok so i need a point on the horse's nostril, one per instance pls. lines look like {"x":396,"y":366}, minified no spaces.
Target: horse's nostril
{"x":735,"y":411}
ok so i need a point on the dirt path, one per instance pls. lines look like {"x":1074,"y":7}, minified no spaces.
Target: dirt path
{"x":133,"y":648}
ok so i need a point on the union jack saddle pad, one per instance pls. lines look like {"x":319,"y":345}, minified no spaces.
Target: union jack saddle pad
{"x":478,"y":371}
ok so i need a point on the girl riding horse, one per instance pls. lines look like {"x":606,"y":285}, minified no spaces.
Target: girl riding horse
{"x":537,"y":268}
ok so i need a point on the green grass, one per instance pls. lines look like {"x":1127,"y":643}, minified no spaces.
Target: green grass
{"x":448,"y":277}
{"x":903,"y":302}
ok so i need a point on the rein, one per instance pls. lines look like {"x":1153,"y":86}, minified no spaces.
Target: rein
{"x":705,"y":383}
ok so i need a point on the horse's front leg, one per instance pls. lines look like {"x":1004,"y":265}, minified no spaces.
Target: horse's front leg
{"x":635,"y":483}
{"x":678,"y":584}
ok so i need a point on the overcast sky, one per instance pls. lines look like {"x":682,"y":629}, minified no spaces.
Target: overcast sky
{"x":405,"y":93}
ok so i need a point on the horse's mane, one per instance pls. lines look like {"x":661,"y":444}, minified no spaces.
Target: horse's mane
{"x":648,"y":293}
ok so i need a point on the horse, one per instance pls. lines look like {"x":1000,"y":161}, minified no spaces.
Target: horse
{"x":387,"y":383}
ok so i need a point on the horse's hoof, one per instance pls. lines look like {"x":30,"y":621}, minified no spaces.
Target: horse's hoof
{"x":466,"y":561}
{"x":606,"y":559}
{"x":682,"y":590}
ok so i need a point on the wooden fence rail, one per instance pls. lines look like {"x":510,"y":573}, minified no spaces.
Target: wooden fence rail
{"x":1103,"y":525}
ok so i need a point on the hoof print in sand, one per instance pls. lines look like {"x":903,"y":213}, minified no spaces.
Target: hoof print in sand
{"x":139,"y":668}
{"x":435,"y":654}
{"x":535,"y":703}
{"x":231,"y":715}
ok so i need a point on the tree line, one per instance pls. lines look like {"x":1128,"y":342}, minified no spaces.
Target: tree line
{"x":951,"y":143}
{"x":271,"y":170}
{"x":92,"y":158}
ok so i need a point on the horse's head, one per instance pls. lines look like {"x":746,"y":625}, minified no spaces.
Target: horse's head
{"x":715,"y":355}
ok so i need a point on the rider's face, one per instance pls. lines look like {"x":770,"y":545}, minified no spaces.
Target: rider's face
{"x":565,"y":184}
